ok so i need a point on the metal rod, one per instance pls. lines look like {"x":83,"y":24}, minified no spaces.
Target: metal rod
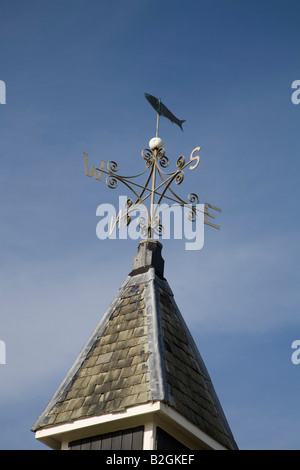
{"x":157,"y":120}
{"x":152,"y":195}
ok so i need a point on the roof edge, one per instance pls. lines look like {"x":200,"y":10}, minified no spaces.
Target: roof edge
{"x":63,"y":388}
{"x":148,"y":279}
{"x":204,"y":372}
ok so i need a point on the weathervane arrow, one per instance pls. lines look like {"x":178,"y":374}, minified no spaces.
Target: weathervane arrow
{"x":162,"y":110}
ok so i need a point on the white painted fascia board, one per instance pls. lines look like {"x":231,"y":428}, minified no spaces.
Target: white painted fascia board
{"x":84,"y":427}
{"x":176,"y":419}
{"x":55,"y":435}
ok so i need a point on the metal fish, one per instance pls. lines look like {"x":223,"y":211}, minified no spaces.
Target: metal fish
{"x":162,"y":110}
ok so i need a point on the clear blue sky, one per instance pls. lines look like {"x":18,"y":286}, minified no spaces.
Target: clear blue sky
{"x":75,"y":73}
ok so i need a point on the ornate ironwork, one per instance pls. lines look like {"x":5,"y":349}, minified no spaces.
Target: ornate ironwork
{"x":156,"y":163}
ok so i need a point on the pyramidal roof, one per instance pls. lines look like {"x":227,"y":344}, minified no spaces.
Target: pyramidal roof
{"x":140,"y":352}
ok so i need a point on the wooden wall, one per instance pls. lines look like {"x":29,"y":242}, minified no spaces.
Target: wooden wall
{"x":128,"y":439}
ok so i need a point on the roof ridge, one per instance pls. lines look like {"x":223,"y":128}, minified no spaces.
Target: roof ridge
{"x":130,"y":281}
{"x":157,"y":372}
{"x":202,"y":369}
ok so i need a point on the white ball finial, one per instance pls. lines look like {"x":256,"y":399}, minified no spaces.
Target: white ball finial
{"x":155,"y":143}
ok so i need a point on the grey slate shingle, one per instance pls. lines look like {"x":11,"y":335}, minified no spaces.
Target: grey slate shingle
{"x":140,"y":352}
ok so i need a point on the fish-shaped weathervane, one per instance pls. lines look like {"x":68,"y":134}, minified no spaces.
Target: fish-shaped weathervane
{"x":162,"y":110}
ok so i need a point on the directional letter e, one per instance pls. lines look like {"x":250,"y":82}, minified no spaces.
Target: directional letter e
{"x":2,"y":92}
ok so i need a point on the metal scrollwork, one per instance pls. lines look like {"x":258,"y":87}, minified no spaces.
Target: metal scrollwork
{"x":147,"y":155}
{"x":129,"y":203}
{"x":160,"y":152}
{"x":127,"y":219}
{"x":180,"y":162}
{"x":112,"y":167}
{"x":153,"y":228}
{"x":156,"y":226}
{"x":142,"y":224}
{"x":152,"y":190}
{"x":193,"y":198}
{"x":192,"y":214}
{"x":179,"y":177}
{"x":111,"y":182}
{"x":163,"y":160}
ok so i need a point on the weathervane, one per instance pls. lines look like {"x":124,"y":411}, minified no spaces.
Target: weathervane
{"x":156,"y":163}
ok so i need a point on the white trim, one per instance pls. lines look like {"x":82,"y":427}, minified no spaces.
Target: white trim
{"x":53,"y":436}
{"x":64,"y":445}
{"x":107,"y":418}
{"x":149,"y":435}
{"x":150,"y":415}
{"x":177,"y":422}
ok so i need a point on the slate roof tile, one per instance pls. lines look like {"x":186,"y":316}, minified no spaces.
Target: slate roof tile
{"x":119,"y":366}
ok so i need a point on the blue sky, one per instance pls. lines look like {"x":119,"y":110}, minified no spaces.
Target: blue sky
{"x":75,"y":74}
